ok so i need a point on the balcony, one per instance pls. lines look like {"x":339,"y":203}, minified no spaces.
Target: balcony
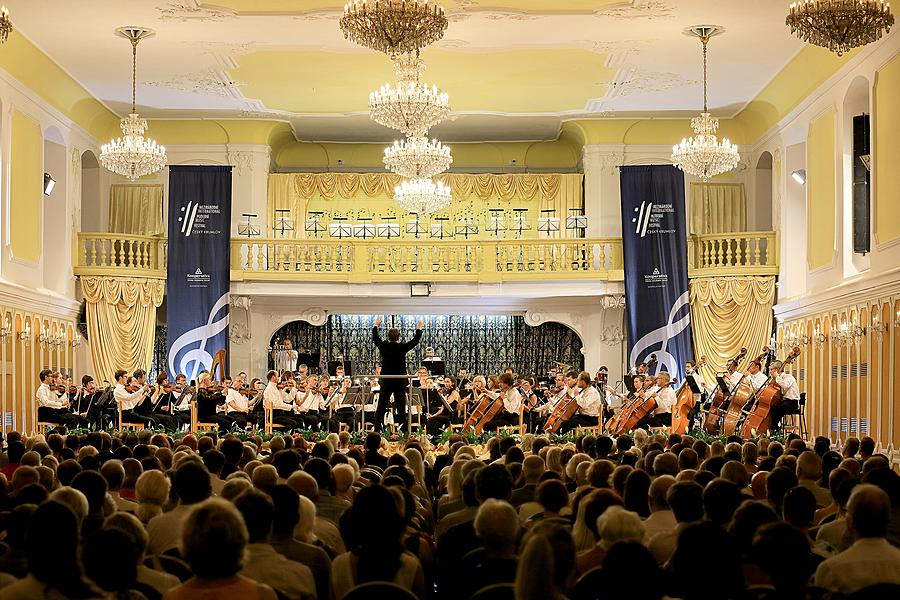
{"x":373,"y":261}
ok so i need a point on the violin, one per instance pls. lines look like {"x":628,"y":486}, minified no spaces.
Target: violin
{"x":63,"y":389}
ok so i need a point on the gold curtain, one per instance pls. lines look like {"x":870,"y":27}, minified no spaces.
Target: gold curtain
{"x":372,"y":193}
{"x":718,"y":208}
{"x":121,"y":321}
{"x":136,"y":209}
{"x":728,"y":313}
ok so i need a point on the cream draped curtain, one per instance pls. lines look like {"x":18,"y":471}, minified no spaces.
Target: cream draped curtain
{"x":728,"y":313}
{"x":136,"y":209}
{"x":718,"y":208}
{"x":299,"y":193}
{"x":121,"y":321}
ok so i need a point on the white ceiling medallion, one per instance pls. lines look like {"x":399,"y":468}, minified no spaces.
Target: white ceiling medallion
{"x":185,"y":11}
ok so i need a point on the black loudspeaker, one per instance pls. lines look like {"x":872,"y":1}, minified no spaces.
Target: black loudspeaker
{"x":861,"y":179}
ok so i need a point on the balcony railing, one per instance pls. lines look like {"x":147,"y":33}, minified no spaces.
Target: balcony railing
{"x":365,"y":261}
{"x":738,"y":253}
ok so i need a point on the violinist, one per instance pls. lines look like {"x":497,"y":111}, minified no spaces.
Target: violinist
{"x":306,"y":406}
{"x":529,"y":399}
{"x":590,"y":403}
{"x":665,"y":400}
{"x":303,"y":371}
{"x":129,"y":398}
{"x":51,"y":408}
{"x":83,"y":402}
{"x":180,"y":401}
{"x":208,"y":398}
{"x":512,"y":403}
{"x":255,"y":394}
{"x":237,"y":405}
{"x":441,"y":419}
{"x":273,"y":398}
{"x":159,"y":404}
{"x":790,"y":394}
{"x":341,"y":409}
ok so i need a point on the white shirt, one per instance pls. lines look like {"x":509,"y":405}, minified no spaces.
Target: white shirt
{"x":734,"y":379}
{"x":128,"y":401}
{"x":285,"y":360}
{"x":309,"y":402}
{"x":589,"y":401}
{"x":665,"y":400}
{"x":46,"y":398}
{"x":512,"y":402}
{"x":757,"y":380}
{"x":789,"y":388}
{"x":272,"y":398}
{"x":338,"y":399}
{"x":238,"y":399}
{"x":701,"y":382}
{"x":185,"y":403}
{"x":868,"y":561}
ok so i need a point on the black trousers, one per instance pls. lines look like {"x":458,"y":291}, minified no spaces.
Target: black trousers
{"x":57,"y":415}
{"x":578,"y":420}
{"x":395,"y":388}
{"x":342,"y":415}
{"x":310,"y":419}
{"x":502,"y":419}
{"x":660,"y":420}
{"x":778,"y":411}
{"x":285,"y":419}
{"x":129,"y":416}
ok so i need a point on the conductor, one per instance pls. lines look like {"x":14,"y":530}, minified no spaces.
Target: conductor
{"x":393,"y":362}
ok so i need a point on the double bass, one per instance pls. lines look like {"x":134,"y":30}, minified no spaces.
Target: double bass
{"x":741,"y":398}
{"x":685,"y":401}
{"x":716,"y":410}
{"x":769,"y":395}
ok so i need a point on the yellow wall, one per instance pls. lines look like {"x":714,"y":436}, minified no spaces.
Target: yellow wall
{"x":887,"y":161}
{"x":26,"y":194}
{"x":820,"y":189}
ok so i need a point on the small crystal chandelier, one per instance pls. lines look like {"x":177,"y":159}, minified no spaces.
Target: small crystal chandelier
{"x":840,"y":25}
{"x":393,"y":26}
{"x":703,"y":155}
{"x":410,"y":107}
{"x":422,"y":196}
{"x":132,"y":155}
{"x":5,"y":24}
{"x":417,"y":157}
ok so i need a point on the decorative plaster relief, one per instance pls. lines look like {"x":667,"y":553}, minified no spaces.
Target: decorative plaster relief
{"x":198,"y":82}
{"x":639,"y":9}
{"x":644,"y":82}
{"x":185,"y":11}
{"x":226,"y":48}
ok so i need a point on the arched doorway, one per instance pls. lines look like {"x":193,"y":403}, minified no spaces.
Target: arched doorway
{"x":91,"y":205}
{"x":759,"y":217}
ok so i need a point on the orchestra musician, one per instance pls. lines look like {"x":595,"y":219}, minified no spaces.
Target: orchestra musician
{"x":790,"y":394}
{"x":755,"y":376}
{"x":307,"y":402}
{"x":285,"y":357}
{"x":341,"y":409}
{"x":158,"y":406}
{"x":129,"y":400}
{"x":589,"y":401}
{"x":441,"y":419}
{"x":665,"y":401}
{"x":706,"y":390}
{"x":512,"y":403}
{"x":732,"y":375}
{"x":51,"y":408}
{"x":208,"y":398}
{"x":237,"y":405}
{"x":554,"y":395}
{"x":180,"y":401}
{"x":272,"y":398}
{"x":393,"y":362}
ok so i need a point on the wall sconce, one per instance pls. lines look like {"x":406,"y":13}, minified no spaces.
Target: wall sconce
{"x":49,"y":184}
{"x":76,"y":341}
{"x":799,"y":176}
{"x":820,"y":338}
{"x":803,"y":340}
{"x":45,"y":339}
{"x":897,"y":319}
{"x":25,"y":334}
{"x":6,"y":330}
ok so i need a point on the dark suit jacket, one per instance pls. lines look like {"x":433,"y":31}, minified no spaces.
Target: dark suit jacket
{"x":393,"y":354}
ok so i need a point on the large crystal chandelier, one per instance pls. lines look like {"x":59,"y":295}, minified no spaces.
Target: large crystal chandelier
{"x":5,"y":25}
{"x":422,"y":196}
{"x":133,"y":155}
{"x":417,"y":157}
{"x":840,"y":25}
{"x":411,"y":107}
{"x":393,"y":26}
{"x":703,"y":155}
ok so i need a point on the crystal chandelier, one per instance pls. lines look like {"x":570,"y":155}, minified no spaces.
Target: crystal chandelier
{"x":132,"y":155}
{"x":410,"y":106}
{"x":840,"y":25}
{"x":417,"y":157}
{"x":703,"y":155}
{"x":422,"y":196}
{"x":393,"y":26}
{"x":5,"y":25}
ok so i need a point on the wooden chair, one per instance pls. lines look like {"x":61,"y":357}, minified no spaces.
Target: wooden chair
{"x":128,"y":426}
{"x":269,"y":425}
{"x":196,"y":426}
{"x":45,"y":426}
{"x":592,"y":429}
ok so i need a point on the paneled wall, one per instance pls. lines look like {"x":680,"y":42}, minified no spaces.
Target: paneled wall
{"x":847,"y":369}
{"x":23,"y":355}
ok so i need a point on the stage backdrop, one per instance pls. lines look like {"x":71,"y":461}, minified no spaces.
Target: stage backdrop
{"x":199,"y":267}
{"x":654,"y":244}
{"x":480,"y":343}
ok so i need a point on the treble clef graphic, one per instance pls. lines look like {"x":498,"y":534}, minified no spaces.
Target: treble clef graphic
{"x":662,"y":335}
{"x":199,"y":356}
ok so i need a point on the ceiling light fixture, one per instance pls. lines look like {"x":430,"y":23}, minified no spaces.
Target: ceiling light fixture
{"x":422,"y":196}
{"x":132,"y":155}
{"x":410,"y":107}
{"x":393,"y":26}
{"x":703,"y":155}
{"x":417,"y":157}
{"x":840,"y":25}
{"x":5,"y":24}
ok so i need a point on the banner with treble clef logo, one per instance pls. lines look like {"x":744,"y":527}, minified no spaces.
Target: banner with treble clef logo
{"x":199,"y":269}
{"x":654,"y":244}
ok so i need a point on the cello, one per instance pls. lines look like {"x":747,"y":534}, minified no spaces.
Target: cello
{"x":741,"y":398}
{"x":481,"y":415}
{"x":563,"y":411}
{"x":716,"y":410}
{"x":769,"y":395}
{"x":639,"y":408}
{"x":685,"y":401}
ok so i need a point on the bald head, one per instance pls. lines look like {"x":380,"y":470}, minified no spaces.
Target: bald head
{"x":868,"y":511}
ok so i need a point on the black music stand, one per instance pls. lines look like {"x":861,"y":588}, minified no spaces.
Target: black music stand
{"x":435,"y":366}
{"x":629,"y":383}
{"x":334,"y":364}
{"x":723,"y":386}
{"x":692,"y":384}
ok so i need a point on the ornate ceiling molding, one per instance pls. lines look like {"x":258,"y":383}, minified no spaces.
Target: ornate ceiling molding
{"x":638,"y":9}
{"x":645,"y":82}
{"x":223,"y":48}
{"x":617,"y":46}
{"x":200,"y":82}
{"x":185,"y":11}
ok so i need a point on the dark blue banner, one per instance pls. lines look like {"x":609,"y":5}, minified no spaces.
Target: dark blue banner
{"x":199,"y":270}
{"x":654,"y":244}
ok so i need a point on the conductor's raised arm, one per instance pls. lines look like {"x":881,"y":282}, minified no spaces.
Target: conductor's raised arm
{"x":376,"y":337}
{"x":414,"y":341}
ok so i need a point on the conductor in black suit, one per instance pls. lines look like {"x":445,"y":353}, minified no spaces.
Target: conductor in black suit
{"x":393,"y":362}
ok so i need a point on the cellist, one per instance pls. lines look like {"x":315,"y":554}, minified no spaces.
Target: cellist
{"x":706,"y":390}
{"x":665,"y":400}
{"x":512,"y":403}
{"x":559,"y":391}
{"x":790,"y":394}
{"x":590,"y":403}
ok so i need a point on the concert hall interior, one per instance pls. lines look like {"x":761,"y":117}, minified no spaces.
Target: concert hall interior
{"x":396,"y":228}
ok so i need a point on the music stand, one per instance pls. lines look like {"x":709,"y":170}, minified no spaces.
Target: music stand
{"x":723,"y":385}
{"x":334,"y":364}
{"x":466,"y":228}
{"x":283,"y":222}
{"x":692,"y":384}
{"x":314,"y":224}
{"x":340,"y":230}
{"x":576,"y":221}
{"x":364,"y":230}
{"x":388,"y":230}
{"x":548,"y":224}
{"x":356,"y":399}
{"x":520,"y":221}
{"x":248,"y":229}
{"x":498,"y":222}
{"x":438,"y":229}
{"x":435,"y":366}
{"x":629,"y":383}
{"x":414,"y":226}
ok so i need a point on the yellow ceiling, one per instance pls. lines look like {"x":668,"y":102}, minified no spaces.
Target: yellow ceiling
{"x":523,"y":81}
{"x":296,"y":6}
